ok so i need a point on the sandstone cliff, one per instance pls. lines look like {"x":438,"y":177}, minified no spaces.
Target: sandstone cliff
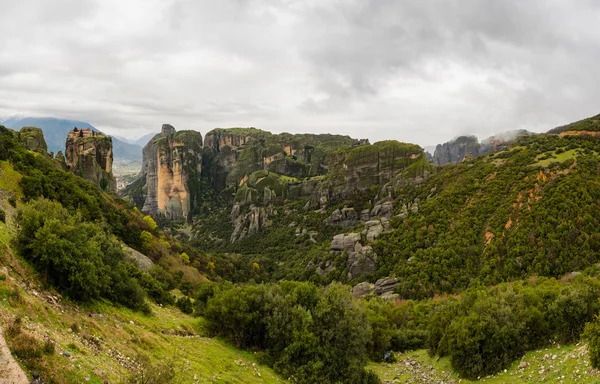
{"x":89,"y":155}
{"x":170,"y":175}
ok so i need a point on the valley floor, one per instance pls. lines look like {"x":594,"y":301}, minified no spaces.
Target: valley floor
{"x":559,"y":364}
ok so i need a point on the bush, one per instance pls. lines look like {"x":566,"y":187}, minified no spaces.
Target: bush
{"x":2,"y":216}
{"x":12,"y":201}
{"x":490,"y":328}
{"x":78,"y":258}
{"x":315,"y":335}
{"x":185,"y":305}
{"x":149,"y":373}
{"x":592,"y":336}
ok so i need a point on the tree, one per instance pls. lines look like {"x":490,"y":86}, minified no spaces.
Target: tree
{"x":149,"y":221}
{"x":185,"y":258}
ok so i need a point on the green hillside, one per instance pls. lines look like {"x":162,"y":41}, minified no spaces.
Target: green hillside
{"x":490,"y":265}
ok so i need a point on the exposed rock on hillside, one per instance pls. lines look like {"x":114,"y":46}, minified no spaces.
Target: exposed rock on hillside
{"x":466,"y":147}
{"x":32,"y":138}
{"x":89,"y":155}
{"x":361,"y":259}
{"x":233,"y":155}
{"x":365,"y":166}
{"x":454,"y":151}
{"x":143,"y":262}
{"x":501,"y":141}
{"x":256,"y":219}
{"x":171,"y":174}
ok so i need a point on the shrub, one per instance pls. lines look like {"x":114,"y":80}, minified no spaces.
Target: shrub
{"x":147,"y":372}
{"x":12,"y":201}
{"x":185,"y":305}
{"x":2,"y":216}
{"x":315,"y":335}
{"x":25,"y":346}
{"x":78,"y":258}
{"x":592,"y":336}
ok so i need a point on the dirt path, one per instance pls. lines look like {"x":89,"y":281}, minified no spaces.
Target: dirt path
{"x":10,"y":372}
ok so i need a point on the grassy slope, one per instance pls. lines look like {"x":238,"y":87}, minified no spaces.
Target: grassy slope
{"x":566,"y":364}
{"x":122,"y":334}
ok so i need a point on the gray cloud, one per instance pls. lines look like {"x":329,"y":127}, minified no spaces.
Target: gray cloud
{"x":420,"y":71}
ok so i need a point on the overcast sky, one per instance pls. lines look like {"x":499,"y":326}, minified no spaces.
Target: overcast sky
{"x":422,"y":71}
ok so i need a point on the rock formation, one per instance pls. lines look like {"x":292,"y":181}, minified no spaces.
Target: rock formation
{"x":232,"y":155}
{"x":32,"y":138}
{"x":454,"y":151}
{"x":501,"y":141}
{"x":468,"y":147}
{"x":89,"y":155}
{"x":255,"y":220}
{"x":171,"y":173}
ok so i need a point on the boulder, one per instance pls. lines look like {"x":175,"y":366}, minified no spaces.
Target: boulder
{"x":385,"y":209}
{"x":143,"y":262}
{"x":361,"y":261}
{"x":374,"y":228}
{"x":345,"y":217}
{"x":362,"y":289}
{"x":343,"y":242}
{"x":385,"y":286}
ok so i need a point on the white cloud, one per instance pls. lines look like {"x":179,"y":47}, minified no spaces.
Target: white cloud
{"x":420,"y":71}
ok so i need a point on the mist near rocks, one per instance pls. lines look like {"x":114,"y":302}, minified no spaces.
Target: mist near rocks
{"x":414,"y":71}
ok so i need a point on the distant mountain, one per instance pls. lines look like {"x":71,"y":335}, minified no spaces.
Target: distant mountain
{"x":142,"y":141}
{"x":56,"y":130}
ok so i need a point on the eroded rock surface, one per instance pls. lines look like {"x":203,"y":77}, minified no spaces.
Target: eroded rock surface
{"x":89,"y":154}
{"x":171,"y":170}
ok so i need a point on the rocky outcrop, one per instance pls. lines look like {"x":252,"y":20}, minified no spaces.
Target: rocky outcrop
{"x":60,"y":160}
{"x":361,"y":259}
{"x":233,"y":155}
{"x":343,"y":217}
{"x":253,"y":221}
{"x":171,"y":170}
{"x":501,"y":141}
{"x":365,"y":166}
{"x":89,"y":155}
{"x":32,"y":138}
{"x":383,"y":287}
{"x":141,"y":261}
{"x":362,"y":289}
{"x":454,"y":151}
{"x":469,"y":147}
{"x":374,"y":228}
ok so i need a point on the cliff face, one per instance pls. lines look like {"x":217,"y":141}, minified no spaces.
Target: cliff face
{"x":232,"y":155}
{"x":32,"y":138}
{"x":501,"y":141}
{"x":90,"y":156}
{"x":172,"y":163}
{"x":454,"y":151}
{"x":365,"y":166}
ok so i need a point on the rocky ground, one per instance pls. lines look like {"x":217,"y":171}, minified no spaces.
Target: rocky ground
{"x":10,"y":371}
{"x":558,"y":364}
